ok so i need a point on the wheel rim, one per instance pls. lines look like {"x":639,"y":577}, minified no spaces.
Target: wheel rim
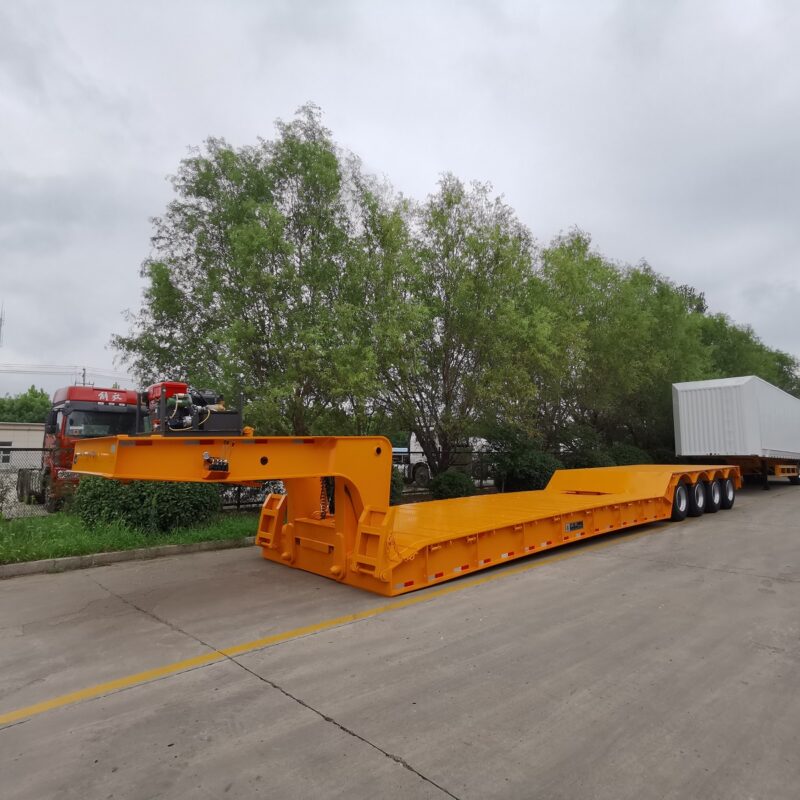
{"x":729,"y":489}
{"x":716,"y":493}
{"x":699,"y":495}
{"x":681,"y":498}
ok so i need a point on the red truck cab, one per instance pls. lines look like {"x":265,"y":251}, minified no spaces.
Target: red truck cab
{"x":78,"y":412}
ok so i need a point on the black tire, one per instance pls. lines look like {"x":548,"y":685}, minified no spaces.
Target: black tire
{"x":23,"y":487}
{"x":728,"y":494}
{"x":680,"y":503}
{"x":713,"y":496}
{"x":422,"y":476}
{"x":697,"y":499}
{"x":49,"y":500}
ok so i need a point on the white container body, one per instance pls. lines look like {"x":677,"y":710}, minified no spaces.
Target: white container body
{"x":735,"y":417}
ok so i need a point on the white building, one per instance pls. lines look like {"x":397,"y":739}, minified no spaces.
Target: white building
{"x":19,"y":434}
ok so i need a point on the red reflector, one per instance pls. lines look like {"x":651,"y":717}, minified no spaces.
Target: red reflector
{"x":465,"y":566}
{"x":408,"y":583}
{"x":439,"y":575}
{"x":548,"y":542}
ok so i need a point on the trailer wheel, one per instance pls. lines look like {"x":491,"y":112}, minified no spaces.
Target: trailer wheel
{"x":697,"y":499}
{"x":795,"y":480}
{"x":422,"y":476}
{"x":23,"y":487}
{"x":713,"y":496}
{"x":680,"y":503}
{"x":728,"y":493}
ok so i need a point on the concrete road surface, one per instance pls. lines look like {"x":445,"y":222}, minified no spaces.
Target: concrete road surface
{"x":658,"y":663}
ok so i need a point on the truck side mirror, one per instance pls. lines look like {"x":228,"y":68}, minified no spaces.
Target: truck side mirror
{"x":51,"y":426}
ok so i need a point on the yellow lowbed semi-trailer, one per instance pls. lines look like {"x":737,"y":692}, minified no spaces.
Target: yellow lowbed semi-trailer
{"x":398,"y":549}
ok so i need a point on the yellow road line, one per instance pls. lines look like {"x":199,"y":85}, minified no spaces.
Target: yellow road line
{"x":295,"y":633}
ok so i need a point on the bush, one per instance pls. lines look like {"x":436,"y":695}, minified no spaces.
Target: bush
{"x":624,"y":454}
{"x":663,"y":455}
{"x":451,"y":483}
{"x":144,"y":505}
{"x":519,"y":465}
{"x":396,"y":489}
{"x":595,"y":457}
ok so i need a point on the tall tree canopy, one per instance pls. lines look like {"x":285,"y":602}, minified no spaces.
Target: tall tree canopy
{"x":259,"y":278}
{"x":464,"y":314}
{"x":284,"y":272}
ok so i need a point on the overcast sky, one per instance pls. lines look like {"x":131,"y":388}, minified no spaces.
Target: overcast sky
{"x":670,"y":131}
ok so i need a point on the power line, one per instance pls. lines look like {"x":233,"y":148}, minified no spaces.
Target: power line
{"x":62,"y":369}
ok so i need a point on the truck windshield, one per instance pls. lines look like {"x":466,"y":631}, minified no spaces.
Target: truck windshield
{"x":100,"y":423}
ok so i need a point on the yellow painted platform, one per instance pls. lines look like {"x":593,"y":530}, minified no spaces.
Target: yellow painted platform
{"x":392,"y":550}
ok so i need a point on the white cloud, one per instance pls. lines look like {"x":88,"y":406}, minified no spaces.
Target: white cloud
{"x":668,"y":131}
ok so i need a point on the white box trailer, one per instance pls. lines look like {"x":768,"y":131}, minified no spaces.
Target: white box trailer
{"x":743,"y":420}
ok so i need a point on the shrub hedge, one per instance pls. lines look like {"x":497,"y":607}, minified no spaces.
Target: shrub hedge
{"x":522,"y":468}
{"x":144,"y":505}
{"x":451,"y":483}
{"x":396,"y":488}
{"x":624,"y":454}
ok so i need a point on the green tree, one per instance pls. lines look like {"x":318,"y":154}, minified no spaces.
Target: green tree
{"x":461,"y":293}
{"x":29,"y":406}
{"x":261,"y":279}
{"x":625,"y":335}
{"x":736,"y":350}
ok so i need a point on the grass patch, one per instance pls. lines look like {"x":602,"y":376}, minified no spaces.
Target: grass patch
{"x":58,"y":535}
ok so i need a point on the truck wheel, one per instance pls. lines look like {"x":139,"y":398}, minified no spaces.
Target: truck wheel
{"x":23,"y":492}
{"x":680,"y":503}
{"x":50,"y":500}
{"x":713,"y":496}
{"x":728,"y":493}
{"x":697,"y":499}
{"x":422,"y":476}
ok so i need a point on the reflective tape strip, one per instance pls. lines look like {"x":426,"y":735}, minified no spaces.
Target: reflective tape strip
{"x":485,"y":561}
{"x":435,"y":576}
{"x":462,"y":568}
{"x":403,"y":585}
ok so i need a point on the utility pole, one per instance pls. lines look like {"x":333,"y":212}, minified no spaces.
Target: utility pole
{"x":84,"y":376}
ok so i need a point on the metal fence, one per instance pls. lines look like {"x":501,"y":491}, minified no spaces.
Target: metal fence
{"x":248,"y":498}
{"x":416,"y":472}
{"x":15,"y":502}
{"x":20,"y":468}
{"x":13,"y":461}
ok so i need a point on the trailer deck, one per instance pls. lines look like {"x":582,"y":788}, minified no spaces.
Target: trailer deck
{"x":362,"y":541}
